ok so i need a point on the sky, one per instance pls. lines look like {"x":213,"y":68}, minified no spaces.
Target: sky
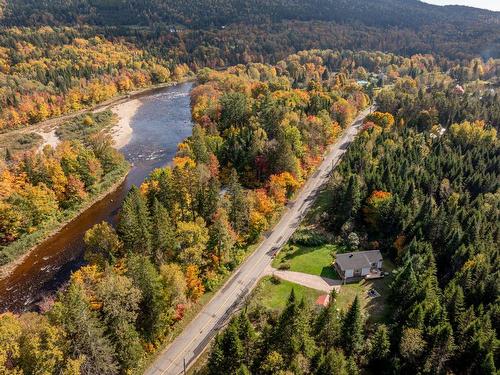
{"x":485,"y":4}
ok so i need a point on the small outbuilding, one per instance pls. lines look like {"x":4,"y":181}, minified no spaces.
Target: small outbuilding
{"x":323,"y":300}
{"x":366,"y":264}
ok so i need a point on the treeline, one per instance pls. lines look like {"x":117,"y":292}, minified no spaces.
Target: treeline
{"x":48,"y":72}
{"x":430,"y":201}
{"x":45,"y":73}
{"x":300,"y":340}
{"x":40,"y":188}
{"x":259,"y":131}
{"x":441,"y":100}
{"x":405,"y":27}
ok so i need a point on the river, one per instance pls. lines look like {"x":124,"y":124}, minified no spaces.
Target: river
{"x":160,"y":123}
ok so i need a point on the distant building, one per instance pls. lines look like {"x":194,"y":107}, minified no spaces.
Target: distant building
{"x":459,"y":90}
{"x":366,"y":264}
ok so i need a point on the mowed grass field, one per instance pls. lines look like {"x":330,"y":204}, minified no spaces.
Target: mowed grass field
{"x":274,"y":296}
{"x":315,"y":260}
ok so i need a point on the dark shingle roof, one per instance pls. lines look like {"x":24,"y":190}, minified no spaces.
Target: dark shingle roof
{"x":358,"y":259}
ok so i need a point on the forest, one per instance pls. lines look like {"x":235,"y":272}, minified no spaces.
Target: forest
{"x":40,"y":188}
{"x":259,"y":131}
{"x":60,"y":57}
{"x":420,"y":183}
{"x":284,"y":26}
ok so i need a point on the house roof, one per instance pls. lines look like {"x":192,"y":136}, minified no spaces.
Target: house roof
{"x":358,"y":259}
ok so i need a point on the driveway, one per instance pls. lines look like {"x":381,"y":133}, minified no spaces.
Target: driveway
{"x":311,"y":281}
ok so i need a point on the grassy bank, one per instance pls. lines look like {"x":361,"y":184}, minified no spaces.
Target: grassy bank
{"x":13,"y":253}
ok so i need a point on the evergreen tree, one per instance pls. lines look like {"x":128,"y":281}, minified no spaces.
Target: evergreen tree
{"x":134,"y":225}
{"x":292,"y":333}
{"x":352,"y":202}
{"x":120,"y":305}
{"x":238,"y":210}
{"x":247,"y":335}
{"x":228,"y":352}
{"x":162,"y":233}
{"x":352,"y":329}
{"x":84,"y":332}
{"x":333,"y":363}
{"x":155,"y":310}
{"x":380,"y":348}
{"x":199,"y":145}
{"x":328,"y":325}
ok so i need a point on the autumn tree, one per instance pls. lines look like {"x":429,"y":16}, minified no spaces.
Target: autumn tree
{"x":102,"y":245}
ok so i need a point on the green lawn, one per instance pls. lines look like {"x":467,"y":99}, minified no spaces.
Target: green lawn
{"x":311,"y":260}
{"x":376,"y":309}
{"x":274,"y":296}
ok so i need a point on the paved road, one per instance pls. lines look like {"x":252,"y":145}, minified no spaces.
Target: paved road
{"x":197,"y":335}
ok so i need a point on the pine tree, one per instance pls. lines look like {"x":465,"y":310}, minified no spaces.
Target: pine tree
{"x":162,"y":233}
{"x":134,"y":225}
{"x":380,"y":348}
{"x":352,"y":197}
{"x":292,"y":333}
{"x":352,"y":329}
{"x":328,"y":325}
{"x":198,"y":144}
{"x":333,"y":363}
{"x":228,"y":351}
{"x":155,"y":310}
{"x":239,"y":210}
{"x":247,"y":335}
{"x":84,"y":332}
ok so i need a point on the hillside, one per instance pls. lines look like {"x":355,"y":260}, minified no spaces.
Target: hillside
{"x":205,"y":13}
{"x":272,"y":28}
{"x":200,"y":13}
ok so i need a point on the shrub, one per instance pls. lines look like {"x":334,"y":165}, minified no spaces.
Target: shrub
{"x":308,"y":238}
{"x":275,"y":280}
{"x":284,"y":266}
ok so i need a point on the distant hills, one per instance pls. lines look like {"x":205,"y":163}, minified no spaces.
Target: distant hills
{"x":402,"y":26}
{"x":207,"y":13}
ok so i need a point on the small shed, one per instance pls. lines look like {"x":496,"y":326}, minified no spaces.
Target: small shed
{"x":323,"y":300}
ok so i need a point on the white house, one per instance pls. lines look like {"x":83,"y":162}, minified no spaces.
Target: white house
{"x":359,"y":264}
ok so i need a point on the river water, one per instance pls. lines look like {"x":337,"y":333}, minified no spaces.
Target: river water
{"x":160,"y":123}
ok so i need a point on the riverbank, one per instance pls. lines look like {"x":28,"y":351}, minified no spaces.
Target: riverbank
{"x":122,"y":131}
{"x":18,"y":251}
{"x":44,"y":128}
{"x":124,"y":107}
